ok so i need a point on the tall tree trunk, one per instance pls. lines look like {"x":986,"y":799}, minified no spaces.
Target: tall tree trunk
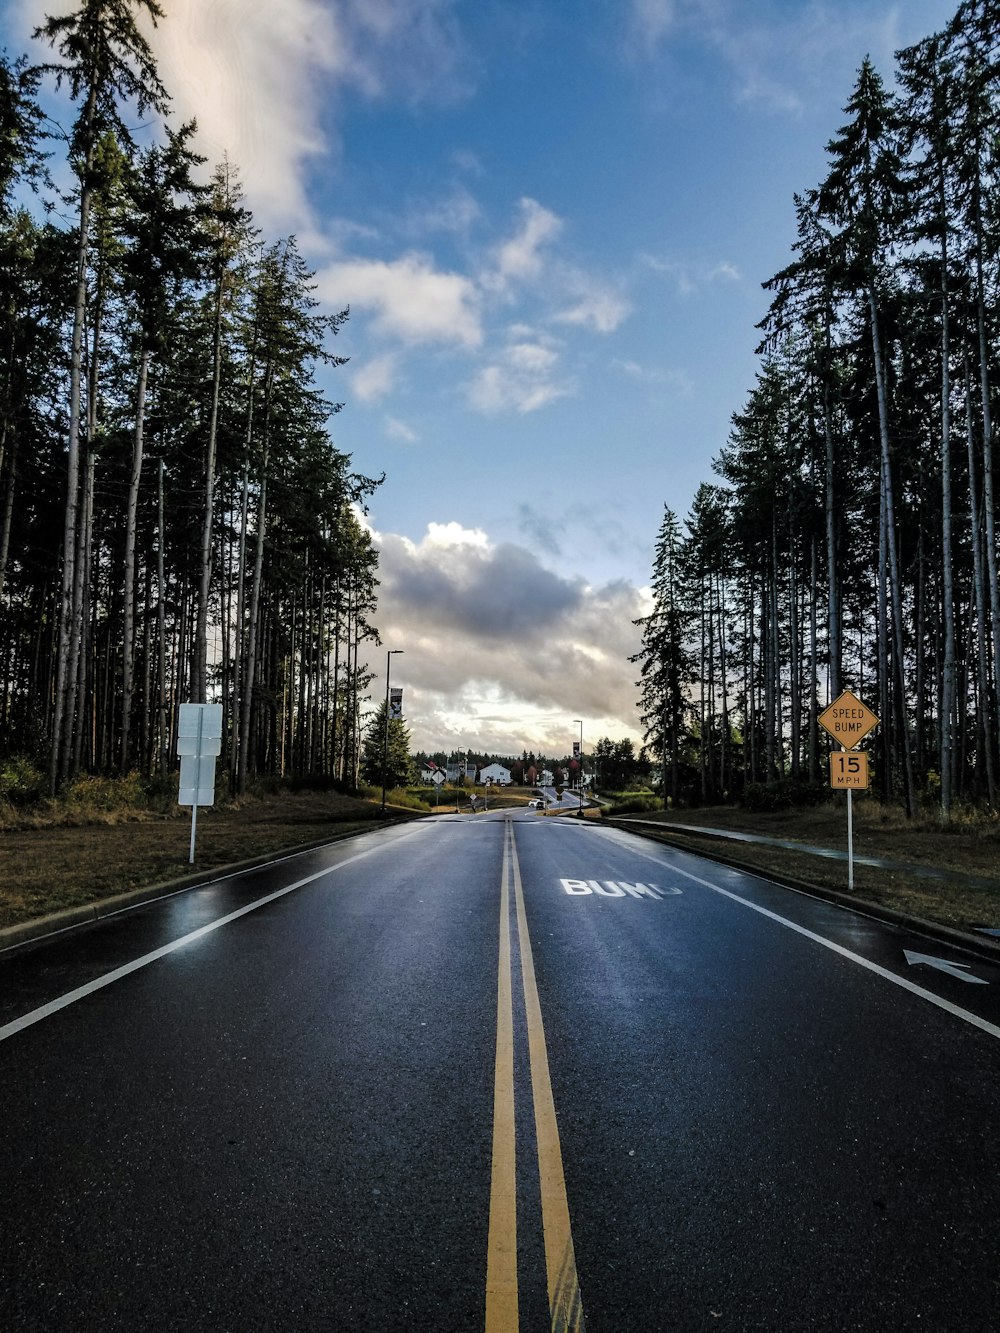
{"x":895,"y":590}
{"x":982,"y":634}
{"x":199,"y":664}
{"x":161,"y":625}
{"x":947,"y":760}
{"x":128,"y":609}
{"x":7,"y":512}
{"x":250,"y":674}
{"x":65,"y":683}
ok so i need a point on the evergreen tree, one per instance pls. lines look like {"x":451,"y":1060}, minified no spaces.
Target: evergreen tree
{"x":385,"y":755}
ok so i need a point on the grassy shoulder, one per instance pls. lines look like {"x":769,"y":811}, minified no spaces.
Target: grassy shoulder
{"x":963,"y":891}
{"x":72,"y":854}
{"x":109,"y":836}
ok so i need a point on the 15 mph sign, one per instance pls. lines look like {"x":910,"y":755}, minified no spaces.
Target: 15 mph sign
{"x":849,"y":768}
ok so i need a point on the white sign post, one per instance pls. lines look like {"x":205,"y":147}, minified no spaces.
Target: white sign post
{"x":199,"y":740}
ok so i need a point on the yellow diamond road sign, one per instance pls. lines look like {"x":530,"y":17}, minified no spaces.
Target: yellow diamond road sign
{"x":848,"y":720}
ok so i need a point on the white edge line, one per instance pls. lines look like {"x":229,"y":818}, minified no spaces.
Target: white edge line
{"x":990,"y":1028}
{"x":71,"y":997}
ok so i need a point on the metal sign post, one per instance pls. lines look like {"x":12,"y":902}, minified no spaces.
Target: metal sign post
{"x":199,"y":740}
{"x":848,"y":721}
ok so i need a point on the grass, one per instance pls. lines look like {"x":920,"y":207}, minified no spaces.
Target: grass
{"x":56,"y":856}
{"x":966,"y":853}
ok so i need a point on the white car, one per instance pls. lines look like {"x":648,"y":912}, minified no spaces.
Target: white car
{"x":536,"y":805}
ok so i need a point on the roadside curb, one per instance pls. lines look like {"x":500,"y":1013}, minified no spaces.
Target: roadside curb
{"x":961,"y":939}
{"x":25,"y":932}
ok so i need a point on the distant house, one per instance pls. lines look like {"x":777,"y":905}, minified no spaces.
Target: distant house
{"x":495,"y":774}
{"x":546,"y":779}
{"x":429,"y":770}
{"x":459,"y":772}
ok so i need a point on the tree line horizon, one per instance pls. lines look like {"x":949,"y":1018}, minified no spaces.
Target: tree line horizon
{"x":850,"y":538}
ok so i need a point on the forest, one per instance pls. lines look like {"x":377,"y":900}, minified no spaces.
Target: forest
{"x":176,"y":522}
{"x":849,"y":540}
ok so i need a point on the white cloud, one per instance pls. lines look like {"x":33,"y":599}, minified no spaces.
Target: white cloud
{"x":399,"y":430}
{"x":691,"y":276}
{"x":599,"y":309}
{"x":678,"y":380}
{"x":410,"y":298}
{"x":499,"y":650}
{"x":454,"y":534}
{"x":253,"y":76}
{"x":261,"y":79}
{"x":375,"y":378}
{"x":522,"y":377}
{"x":520,"y":258}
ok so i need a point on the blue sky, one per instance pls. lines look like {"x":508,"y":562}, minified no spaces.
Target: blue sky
{"x":551,"y":222}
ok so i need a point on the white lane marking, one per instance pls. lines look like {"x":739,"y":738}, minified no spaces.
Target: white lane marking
{"x":612,"y":888}
{"x":955,"y":1010}
{"x":71,"y":997}
{"x":883,"y":972}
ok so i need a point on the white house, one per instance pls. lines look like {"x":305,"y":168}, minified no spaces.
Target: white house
{"x":495,"y":774}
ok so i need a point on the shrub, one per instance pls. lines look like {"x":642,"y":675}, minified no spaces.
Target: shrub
{"x":783,"y":794}
{"x":21,"y":782}
{"x":91,"y":792}
{"x":636,"y":805}
{"x":400,"y":796}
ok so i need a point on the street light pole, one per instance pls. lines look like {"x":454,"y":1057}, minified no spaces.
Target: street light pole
{"x":393,"y":652}
{"x":580,"y":811}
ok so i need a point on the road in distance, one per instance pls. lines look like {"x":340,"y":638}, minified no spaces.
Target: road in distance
{"x":760,"y":1114}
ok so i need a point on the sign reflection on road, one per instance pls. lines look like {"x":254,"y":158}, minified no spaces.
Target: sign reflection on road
{"x":612,"y":888}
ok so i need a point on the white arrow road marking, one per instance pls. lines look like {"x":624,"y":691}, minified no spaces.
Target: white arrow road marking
{"x":943,"y":965}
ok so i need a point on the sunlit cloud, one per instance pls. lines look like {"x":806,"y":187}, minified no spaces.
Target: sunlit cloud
{"x":265,"y":81}
{"x":499,"y":651}
{"x":408,"y":298}
{"x":602,"y":310}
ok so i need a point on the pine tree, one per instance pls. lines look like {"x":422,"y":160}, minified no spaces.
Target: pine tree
{"x":394,"y":743}
{"x":667,"y":665}
{"x":105,"y":59}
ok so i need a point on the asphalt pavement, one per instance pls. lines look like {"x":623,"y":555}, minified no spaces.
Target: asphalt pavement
{"x":497,"y":1072}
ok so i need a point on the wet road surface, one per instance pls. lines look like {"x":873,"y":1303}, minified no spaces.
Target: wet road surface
{"x":497,"y":1073}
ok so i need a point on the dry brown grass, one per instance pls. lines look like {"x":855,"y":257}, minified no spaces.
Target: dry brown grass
{"x":57,"y":859}
{"x":966,"y":853}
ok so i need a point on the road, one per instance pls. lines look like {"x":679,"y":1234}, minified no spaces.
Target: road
{"x":497,"y":1072}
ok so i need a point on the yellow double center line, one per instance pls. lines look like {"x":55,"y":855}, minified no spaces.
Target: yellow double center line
{"x":565,"y":1306}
